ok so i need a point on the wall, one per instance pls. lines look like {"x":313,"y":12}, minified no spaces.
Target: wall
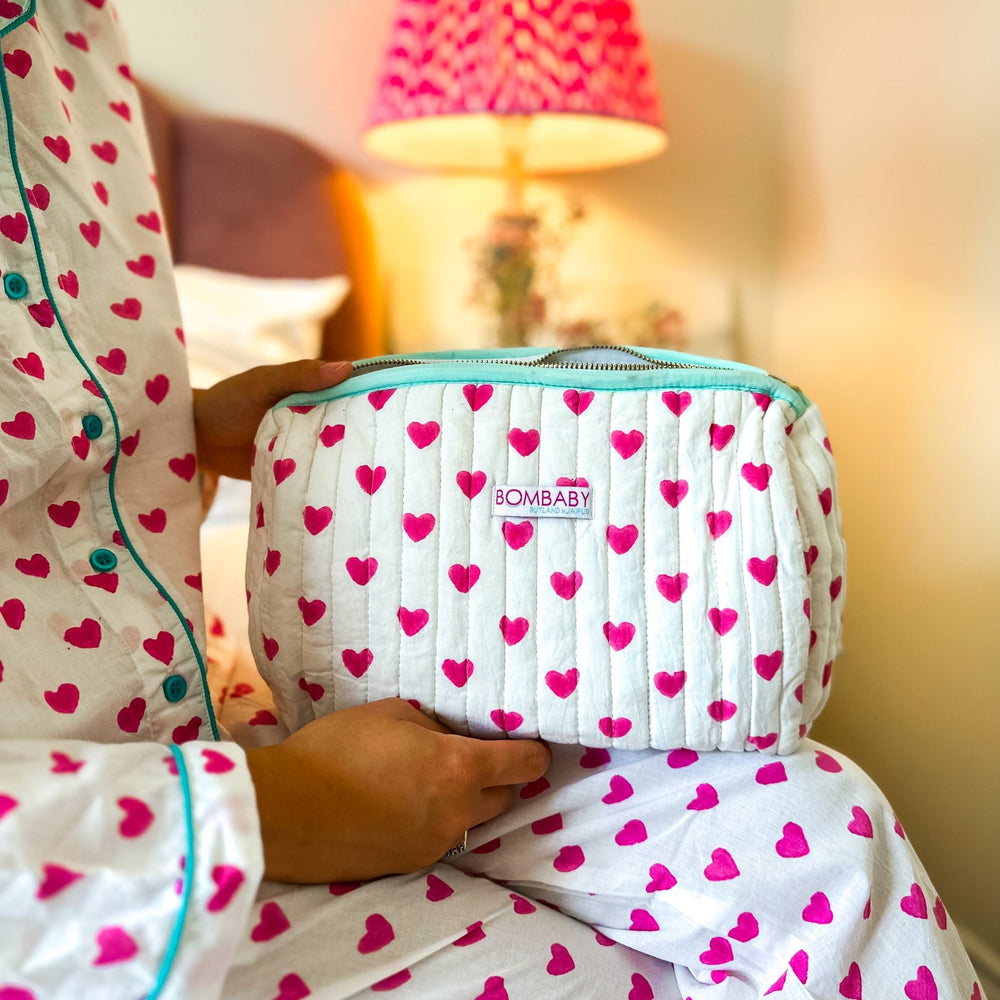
{"x":888,"y":299}
{"x":830,"y":195}
{"x":696,"y":227}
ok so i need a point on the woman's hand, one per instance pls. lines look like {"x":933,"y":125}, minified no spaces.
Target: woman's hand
{"x":227,"y":415}
{"x":379,"y":789}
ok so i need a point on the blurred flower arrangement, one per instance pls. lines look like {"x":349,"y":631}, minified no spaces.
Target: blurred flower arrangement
{"x":515,"y":277}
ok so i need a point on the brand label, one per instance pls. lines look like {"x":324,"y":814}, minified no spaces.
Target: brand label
{"x":543,"y":501}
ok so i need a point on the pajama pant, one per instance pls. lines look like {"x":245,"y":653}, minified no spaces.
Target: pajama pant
{"x":630,"y":876}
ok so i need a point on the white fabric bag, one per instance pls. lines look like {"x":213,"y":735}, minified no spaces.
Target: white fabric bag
{"x":600,"y":546}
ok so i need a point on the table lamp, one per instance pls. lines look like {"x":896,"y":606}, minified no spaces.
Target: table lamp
{"x":518,"y":88}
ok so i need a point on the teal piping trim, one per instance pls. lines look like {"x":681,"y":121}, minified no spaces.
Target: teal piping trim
{"x":46,"y":285}
{"x":470,"y":369}
{"x":25,"y":15}
{"x":189,"y":866}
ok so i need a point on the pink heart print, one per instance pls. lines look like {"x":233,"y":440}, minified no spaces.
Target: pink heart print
{"x":418,"y":526}
{"x":914,"y":904}
{"x":619,"y":790}
{"x":722,"y":619}
{"x":793,"y":843}
{"x":507,"y":722}
{"x":706,"y":798}
{"x":136,"y":819}
{"x":494,"y":989}
{"x":273,"y":922}
{"x":458,"y":672}
{"x":577,"y":401}
{"x":614,"y":728}
{"x":719,"y":952}
{"x":31,"y":364}
{"x":660,"y":878}
{"x":64,"y":699}
{"x":851,"y":984}
{"x":672,"y":587}
{"x":437,"y":889}
{"x":746,"y":928}
{"x":669,"y":684}
{"x":471,"y":483}
{"x":316,"y":519}
{"x":861,"y":824}
{"x":674,"y":491}
{"x":361,"y":571}
{"x":818,"y":910}
{"x":477,"y":396}
{"x":517,"y":534}
{"x":621,"y":540}
{"x":412,"y":622}
{"x":87,"y":635}
{"x":763,"y":570}
{"x":378,"y":933}
{"x":513,"y":629}
{"x":627,"y":443}
{"x":720,"y":435}
{"x":768,"y":664}
{"x":114,"y":361}
{"x":566,"y":586}
{"x":676,"y":402}
{"x":524,"y":442}
{"x":923,"y":987}
{"x":561,"y":961}
{"x":312,"y":611}
{"x":619,"y":636}
{"x":56,"y":878}
{"x":370,"y":479}
{"x":464,"y":578}
{"x":722,"y":867}
{"x":357,"y":662}
{"x":562,"y":685}
{"x":332,"y":434}
{"x":569,"y":858}
{"x":380,"y":397}
{"x":722,"y":710}
{"x":423,"y":435}
{"x":228,"y":879}
{"x":291,"y":987}
{"x":114,"y":945}
{"x":758,"y":476}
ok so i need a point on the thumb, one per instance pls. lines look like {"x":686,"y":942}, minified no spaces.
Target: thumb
{"x":309,"y":375}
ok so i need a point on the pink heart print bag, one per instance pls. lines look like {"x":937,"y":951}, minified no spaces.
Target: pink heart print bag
{"x":602,"y":546}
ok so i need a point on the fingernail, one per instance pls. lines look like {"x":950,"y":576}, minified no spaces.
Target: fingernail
{"x":336,"y":371}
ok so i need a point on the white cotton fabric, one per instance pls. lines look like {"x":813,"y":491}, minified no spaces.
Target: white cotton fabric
{"x":127,"y":869}
{"x":700,"y":606}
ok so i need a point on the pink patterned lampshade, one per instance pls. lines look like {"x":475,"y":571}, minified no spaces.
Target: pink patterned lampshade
{"x":574,"y":74}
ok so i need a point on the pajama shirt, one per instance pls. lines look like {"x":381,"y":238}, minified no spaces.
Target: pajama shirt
{"x":130,"y":854}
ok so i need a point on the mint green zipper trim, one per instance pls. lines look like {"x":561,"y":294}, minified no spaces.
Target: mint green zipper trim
{"x":46,"y":285}
{"x":475,"y":366}
{"x":173,"y":946}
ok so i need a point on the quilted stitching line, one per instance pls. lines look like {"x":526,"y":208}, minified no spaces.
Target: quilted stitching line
{"x":646,"y":574}
{"x":758,"y":682}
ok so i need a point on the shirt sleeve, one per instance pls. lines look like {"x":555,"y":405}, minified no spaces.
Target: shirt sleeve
{"x":126,"y":870}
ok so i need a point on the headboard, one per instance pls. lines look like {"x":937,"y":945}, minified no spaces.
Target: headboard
{"x":254,"y":200}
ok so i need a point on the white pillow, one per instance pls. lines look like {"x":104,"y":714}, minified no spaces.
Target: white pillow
{"x":233,"y":321}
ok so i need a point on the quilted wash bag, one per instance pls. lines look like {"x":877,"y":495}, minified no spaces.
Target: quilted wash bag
{"x":598,"y":546}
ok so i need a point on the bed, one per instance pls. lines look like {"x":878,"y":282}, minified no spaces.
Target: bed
{"x":274,"y":260}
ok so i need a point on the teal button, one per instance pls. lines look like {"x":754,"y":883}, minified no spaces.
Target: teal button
{"x":103,"y":560}
{"x":15,"y":286}
{"x":174,"y":687}
{"x":93,"y":426}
